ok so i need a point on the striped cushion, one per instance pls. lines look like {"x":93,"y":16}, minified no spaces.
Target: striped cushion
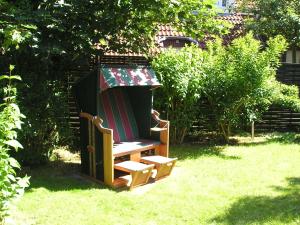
{"x":116,"y":111}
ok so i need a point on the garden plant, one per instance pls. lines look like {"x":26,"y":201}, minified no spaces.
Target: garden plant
{"x":237,"y":83}
{"x":11,"y":186}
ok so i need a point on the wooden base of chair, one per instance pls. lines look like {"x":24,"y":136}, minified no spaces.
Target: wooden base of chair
{"x":163,"y":165}
{"x":140,"y":173}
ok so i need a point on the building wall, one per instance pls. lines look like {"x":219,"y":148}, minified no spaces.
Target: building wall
{"x":289,"y":56}
{"x":225,"y":4}
{"x":175,"y":43}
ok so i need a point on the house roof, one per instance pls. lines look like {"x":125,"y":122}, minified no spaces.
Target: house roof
{"x":238,"y":29}
{"x":167,"y":31}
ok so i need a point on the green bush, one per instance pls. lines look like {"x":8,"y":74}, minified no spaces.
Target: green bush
{"x":240,"y":81}
{"x":44,"y":102}
{"x":237,"y":83}
{"x":11,"y":186}
{"x":180,"y":75}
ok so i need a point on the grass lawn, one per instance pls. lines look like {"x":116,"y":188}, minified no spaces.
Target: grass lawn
{"x":247,"y":183}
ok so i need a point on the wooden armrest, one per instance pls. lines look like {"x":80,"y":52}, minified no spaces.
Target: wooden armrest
{"x":157,"y":129}
{"x":97,"y":121}
{"x":86,"y":115}
{"x":155,"y":116}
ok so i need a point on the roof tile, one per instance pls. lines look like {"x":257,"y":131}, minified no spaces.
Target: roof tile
{"x":237,"y":20}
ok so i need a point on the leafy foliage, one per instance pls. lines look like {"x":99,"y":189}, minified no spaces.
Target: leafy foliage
{"x":43,"y":99}
{"x":11,"y":186}
{"x":275,"y":17}
{"x":237,"y":82}
{"x":180,"y":75}
{"x":52,"y":33}
{"x":240,"y":81}
{"x":75,"y":27}
{"x":46,"y":126}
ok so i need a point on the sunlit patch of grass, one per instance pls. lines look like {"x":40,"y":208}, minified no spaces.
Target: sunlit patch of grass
{"x":246,"y":183}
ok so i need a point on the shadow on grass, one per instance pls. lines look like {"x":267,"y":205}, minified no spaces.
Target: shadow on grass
{"x":193,"y":152}
{"x":65,"y":176}
{"x":60,"y":176}
{"x":283,"y":138}
{"x":284,"y":208}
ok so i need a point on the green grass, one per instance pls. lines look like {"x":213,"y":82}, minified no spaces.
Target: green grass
{"x":250,"y":183}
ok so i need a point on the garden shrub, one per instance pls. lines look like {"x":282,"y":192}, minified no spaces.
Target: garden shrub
{"x":240,"y":81}
{"x":180,"y":75}
{"x":43,"y":100}
{"x":46,"y":112}
{"x":11,"y":186}
{"x":237,"y":83}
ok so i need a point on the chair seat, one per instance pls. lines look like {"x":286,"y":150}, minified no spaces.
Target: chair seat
{"x":129,"y":147}
{"x":157,"y":159}
{"x":163,"y":165}
{"x":131,"y":166}
{"x":140,"y":173}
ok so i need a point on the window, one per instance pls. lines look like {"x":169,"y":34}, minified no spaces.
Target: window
{"x":224,"y":3}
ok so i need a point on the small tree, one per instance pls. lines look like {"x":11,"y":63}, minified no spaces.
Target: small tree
{"x":240,"y":81}
{"x":11,"y":186}
{"x":180,"y":75}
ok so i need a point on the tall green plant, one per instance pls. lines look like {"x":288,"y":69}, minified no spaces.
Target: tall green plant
{"x":237,"y":82}
{"x":11,"y":186}
{"x":240,"y":81}
{"x":181,"y":77}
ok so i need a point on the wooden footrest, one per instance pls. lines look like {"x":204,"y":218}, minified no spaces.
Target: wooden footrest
{"x":139,"y":172}
{"x":163,"y":164}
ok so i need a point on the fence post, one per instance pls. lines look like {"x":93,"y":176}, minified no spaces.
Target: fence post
{"x":252,"y":130}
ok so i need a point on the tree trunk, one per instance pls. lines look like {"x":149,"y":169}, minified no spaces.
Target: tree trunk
{"x":225,"y":131}
{"x":183,"y":133}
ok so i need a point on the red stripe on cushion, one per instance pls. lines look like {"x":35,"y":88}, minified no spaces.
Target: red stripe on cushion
{"x":148,"y":76}
{"x":110,"y":117}
{"x":123,"y":111}
{"x":136,"y":79}
{"x":118,"y":76}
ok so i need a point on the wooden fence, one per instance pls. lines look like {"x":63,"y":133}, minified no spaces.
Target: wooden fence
{"x":279,"y":119}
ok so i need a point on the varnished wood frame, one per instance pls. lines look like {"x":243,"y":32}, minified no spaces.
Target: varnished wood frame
{"x":108,"y":157}
{"x":163,"y":148}
{"x":108,"y":160}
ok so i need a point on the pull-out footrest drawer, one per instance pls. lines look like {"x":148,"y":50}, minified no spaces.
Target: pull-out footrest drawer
{"x":140,"y":173}
{"x":163,"y":164}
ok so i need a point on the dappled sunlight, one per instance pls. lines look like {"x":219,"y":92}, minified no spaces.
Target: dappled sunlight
{"x":283,"y":138}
